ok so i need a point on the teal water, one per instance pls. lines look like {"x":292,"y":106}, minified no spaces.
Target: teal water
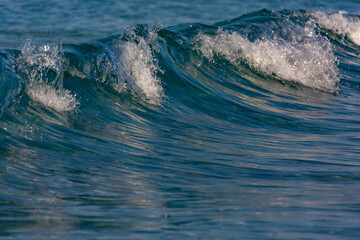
{"x":179,"y":120}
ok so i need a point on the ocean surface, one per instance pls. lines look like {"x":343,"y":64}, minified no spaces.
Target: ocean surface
{"x":218,"y":119}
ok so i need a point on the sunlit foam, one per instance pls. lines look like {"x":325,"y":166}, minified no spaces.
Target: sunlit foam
{"x":341,"y":23}
{"x":305,"y":57}
{"x":59,"y":100}
{"x":35,"y":64}
{"x":142,"y":67}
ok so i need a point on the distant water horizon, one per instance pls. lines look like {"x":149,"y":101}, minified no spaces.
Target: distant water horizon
{"x":179,"y":120}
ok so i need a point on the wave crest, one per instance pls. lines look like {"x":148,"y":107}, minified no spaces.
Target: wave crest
{"x":341,"y":23}
{"x":42,"y":69}
{"x":305,"y":57}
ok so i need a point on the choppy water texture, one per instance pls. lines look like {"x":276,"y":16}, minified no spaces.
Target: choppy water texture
{"x":247,"y":128}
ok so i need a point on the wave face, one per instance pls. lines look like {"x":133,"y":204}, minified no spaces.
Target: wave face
{"x":240,"y":126}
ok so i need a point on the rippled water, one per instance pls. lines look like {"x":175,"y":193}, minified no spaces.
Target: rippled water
{"x":164,"y":119}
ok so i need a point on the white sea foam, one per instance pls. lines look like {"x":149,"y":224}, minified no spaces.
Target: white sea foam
{"x":35,"y":64}
{"x":142,"y":67}
{"x":59,"y":100}
{"x":306,"y":57}
{"x":341,"y":23}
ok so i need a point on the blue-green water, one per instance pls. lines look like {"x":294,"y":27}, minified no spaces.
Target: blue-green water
{"x":179,"y":120}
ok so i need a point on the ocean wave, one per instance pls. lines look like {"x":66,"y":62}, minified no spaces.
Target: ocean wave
{"x":290,"y":47}
{"x":209,"y":131}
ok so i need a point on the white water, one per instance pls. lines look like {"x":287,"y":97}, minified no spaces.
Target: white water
{"x":142,"y":67}
{"x":306,"y":57}
{"x":36,"y":64}
{"x":341,"y":23}
{"x":59,"y":100}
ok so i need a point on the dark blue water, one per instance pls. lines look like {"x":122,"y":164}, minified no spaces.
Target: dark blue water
{"x":179,"y":120}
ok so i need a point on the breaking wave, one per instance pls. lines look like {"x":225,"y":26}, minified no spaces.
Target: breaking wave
{"x":165,"y":131}
{"x":141,"y":63}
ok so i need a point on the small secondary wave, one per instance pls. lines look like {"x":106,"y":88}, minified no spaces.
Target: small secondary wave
{"x":126,"y":63}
